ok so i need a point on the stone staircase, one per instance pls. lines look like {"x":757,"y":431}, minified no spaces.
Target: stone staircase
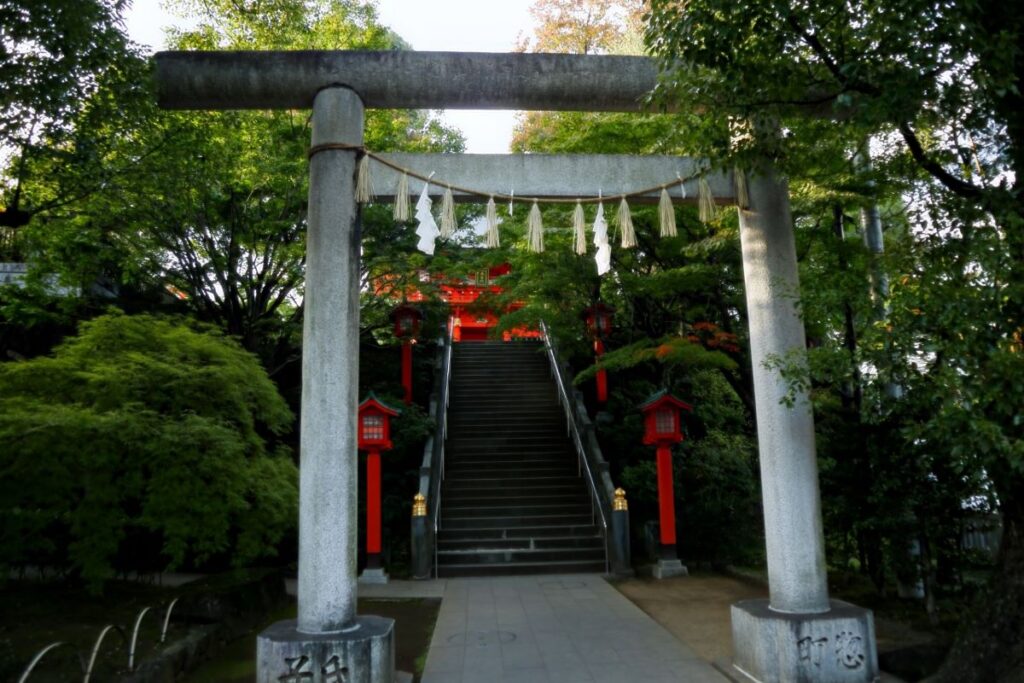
{"x":513,"y":501}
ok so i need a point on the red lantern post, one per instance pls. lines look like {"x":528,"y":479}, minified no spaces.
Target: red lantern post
{"x":374,"y":437}
{"x":599,"y":325}
{"x":407,"y":326}
{"x":662,"y":428}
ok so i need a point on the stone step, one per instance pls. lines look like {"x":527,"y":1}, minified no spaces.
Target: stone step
{"x":459,"y":509}
{"x":501,"y":445}
{"x":509,"y":428}
{"x":545,"y":398}
{"x":518,"y":568}
{"x":485,"y":361}
{"x":508,"y":450}
{"x":506,"y":521}
{"x":554,"y":443}
{"x":510,"y":498}
{"x":549,"y":485}
{"x":523,"y":461}
{"x":518,"y":532}
{"x":525,"y":543}
{"x":476,"y":469}
{"x":532,"y":555}
{"x":530,"y":415}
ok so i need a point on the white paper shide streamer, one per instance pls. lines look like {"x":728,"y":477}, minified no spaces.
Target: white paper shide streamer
{"x":604,"y":250}
{"x":426,"y":229}
{"x":493,"y":238}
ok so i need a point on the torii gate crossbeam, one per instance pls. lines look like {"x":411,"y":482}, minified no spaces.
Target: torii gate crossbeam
{"x":801,"y":634}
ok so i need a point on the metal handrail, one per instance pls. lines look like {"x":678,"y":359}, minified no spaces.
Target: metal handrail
{"x":583,"y":463}
{"x":437,"y":459}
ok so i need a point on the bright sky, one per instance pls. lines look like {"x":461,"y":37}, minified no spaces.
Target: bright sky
{"x":452,"y":25}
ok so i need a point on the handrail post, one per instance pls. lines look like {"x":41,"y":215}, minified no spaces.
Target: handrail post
{"x":432,"y":469}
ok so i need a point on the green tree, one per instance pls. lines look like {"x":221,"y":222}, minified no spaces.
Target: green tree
{"x":936,"y":87}
{"x":54,"y":56}
{"x":214,"y":203}
{"x":145,"y":444}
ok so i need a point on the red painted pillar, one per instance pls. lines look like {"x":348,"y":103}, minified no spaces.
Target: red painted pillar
{"x":602,"y":376}
{"x":373,"y":509}
{"x":407,"y":370}
{"x":666,"y":499}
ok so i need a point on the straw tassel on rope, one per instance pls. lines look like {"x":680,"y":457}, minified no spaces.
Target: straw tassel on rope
{"x":625,"y":221}
{"x":535,"y":229}
{"x":401,"y":209}
{"x":364,"y":193}
{"x":666,"y":214}
{"x":493,"y":239}
{"x":705,"y":202}
{"x":742,"y":198}
{"x":447,"y":214}
{"x":579,"y":229}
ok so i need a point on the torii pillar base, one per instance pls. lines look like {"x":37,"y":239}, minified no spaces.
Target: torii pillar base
{"x":363,"y":654}
{"x":837,"y":646}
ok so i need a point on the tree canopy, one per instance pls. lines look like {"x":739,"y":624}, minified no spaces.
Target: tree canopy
{"x":54,"y":57}
{"x":916,"y":371}
{"x":143,"y":443}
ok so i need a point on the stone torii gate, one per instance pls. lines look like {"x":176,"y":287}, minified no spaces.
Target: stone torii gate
{"x":799,"y":634}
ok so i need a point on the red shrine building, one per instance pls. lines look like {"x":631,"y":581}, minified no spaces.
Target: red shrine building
{"x":469,"y":319}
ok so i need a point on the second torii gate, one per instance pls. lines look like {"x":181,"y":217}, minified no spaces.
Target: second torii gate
{"x":798,"y":634}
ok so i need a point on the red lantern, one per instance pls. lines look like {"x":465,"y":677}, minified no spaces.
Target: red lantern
{"x":374,"y":437}
{"x":599,"y":319}
{"x":662,"y":428}
{"x":407,"y":321}
{"x":662,"y":423}
{"x":599,"y":325}
{"x":375,"y":424}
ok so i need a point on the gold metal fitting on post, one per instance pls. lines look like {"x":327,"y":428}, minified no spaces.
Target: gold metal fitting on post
{"x":620,"y":503}
{"x":419,"y":505}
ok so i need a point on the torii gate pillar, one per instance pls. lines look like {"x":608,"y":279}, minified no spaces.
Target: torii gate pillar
{"x":328,"y":641}
{"x":798,"y":634}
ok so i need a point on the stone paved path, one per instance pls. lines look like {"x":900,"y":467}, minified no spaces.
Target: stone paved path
{"x":552,"y":629}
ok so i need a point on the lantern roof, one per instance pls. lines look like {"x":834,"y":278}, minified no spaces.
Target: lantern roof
{"x":598,"y":307}
{"x":405,"y":308}
{"x":663,"y":398}
{"x":371,"y":401}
